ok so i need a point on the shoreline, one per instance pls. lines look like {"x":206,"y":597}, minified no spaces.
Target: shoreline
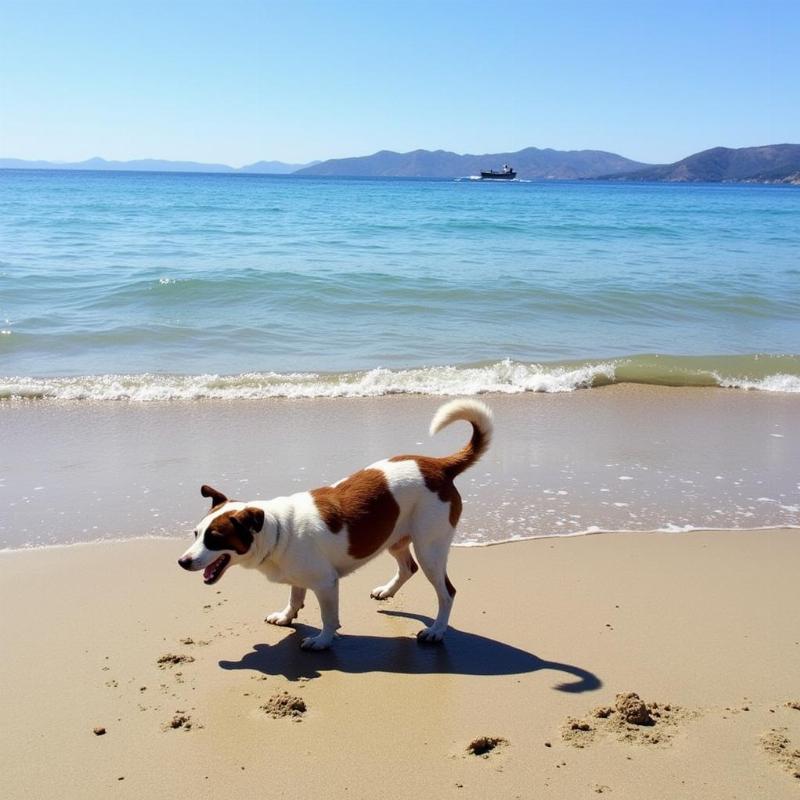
{"x":542,"y":634}
{"x":636,"y":458}
{"x":455,"y":545}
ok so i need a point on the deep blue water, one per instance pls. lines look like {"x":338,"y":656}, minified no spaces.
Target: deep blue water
{"x":194,"y":274}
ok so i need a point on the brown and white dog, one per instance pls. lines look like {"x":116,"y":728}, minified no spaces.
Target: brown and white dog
{"x":311,"y":539}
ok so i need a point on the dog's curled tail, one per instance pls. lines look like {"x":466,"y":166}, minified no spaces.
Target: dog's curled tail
{"x":474,"y":412}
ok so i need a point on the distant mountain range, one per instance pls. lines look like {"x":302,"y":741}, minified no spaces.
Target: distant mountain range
{"x":154,"y":165}
{"x":530,"y":163}
{"x":776,"y":163}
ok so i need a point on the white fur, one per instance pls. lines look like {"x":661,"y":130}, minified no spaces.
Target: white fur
{"x":470,"y":411}
{"x":296,"y":547}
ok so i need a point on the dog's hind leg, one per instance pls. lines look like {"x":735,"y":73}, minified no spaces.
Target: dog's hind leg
{"x":328,"y":597}
{"x":297,"y":597}
{"x":406,"y":567}
{"x":432,"y":555}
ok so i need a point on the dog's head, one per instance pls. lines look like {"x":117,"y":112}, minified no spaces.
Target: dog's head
{"x":223,"y":537}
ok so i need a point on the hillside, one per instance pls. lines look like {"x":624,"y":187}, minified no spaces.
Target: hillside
{"x":273,"y":167}
{"x":776,"y":163}
{"x":530,"y":163}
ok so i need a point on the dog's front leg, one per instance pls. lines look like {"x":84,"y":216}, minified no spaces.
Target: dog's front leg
{"x":297,"y":597}
{"x":328,"y":597}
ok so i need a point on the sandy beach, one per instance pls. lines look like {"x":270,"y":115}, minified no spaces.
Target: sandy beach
{"x":114,"y":637}
{"x":125,"y":676}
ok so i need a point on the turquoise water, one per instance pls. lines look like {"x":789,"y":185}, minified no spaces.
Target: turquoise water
{"x":132,"y":285}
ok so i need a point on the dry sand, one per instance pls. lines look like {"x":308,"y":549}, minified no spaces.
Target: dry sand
{"x":188,"y":681}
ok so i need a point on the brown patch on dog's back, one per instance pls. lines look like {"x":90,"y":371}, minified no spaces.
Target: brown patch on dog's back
{"x":233,"y":530}
{"x":436,"y":474}
{"x":364,"y":504}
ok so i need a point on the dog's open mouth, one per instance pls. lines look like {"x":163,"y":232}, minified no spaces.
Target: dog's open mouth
{"x":213,"y":572}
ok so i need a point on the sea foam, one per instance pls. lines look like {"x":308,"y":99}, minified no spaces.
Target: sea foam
{"x":502,"y":377}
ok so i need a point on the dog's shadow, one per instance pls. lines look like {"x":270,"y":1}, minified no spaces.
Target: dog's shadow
{"x":461,"y":653}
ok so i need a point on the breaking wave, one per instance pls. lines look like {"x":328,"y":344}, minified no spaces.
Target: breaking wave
{"x":762,"y":373}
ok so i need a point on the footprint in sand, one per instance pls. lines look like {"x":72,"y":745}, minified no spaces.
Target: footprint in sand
{"x":170,"y":660}
{"x":485,"y":745}
{"x":781,"y":750}
{"x":180,"y":721}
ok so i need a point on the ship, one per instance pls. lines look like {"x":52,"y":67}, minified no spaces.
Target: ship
{"x":505,"y":174}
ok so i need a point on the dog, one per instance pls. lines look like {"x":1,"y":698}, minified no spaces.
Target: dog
{"x":312,"y":539}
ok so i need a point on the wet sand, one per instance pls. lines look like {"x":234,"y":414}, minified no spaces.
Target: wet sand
{"x":185,"y":683}
{"x":622,"y":457}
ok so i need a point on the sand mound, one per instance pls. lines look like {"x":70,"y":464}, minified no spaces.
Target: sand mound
{"x":632,"y":709}
{"x":285,"y":705}
{"x":171,"y":659}
{"x":484,"y":745}
{"x":630,"y":719}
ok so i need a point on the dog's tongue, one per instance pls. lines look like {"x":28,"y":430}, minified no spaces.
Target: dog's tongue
{"x":212,"y":572}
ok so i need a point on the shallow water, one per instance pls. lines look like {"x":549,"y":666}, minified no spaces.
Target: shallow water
{"x":617,"y":458}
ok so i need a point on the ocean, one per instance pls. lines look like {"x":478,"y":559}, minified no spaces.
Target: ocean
{"x":141,"y":312}
{"x":141,"y":286}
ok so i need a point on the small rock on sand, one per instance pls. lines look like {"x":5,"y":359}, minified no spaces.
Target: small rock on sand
{"x":99,"y":731}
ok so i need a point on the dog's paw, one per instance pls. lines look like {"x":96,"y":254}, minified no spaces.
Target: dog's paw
{"x":279,"y":618}
{"x":430,"y":635}
{"x":381,"y":593}
{"x":319,"y":642}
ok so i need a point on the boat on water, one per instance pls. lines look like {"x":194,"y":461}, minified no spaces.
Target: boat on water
{"x":505,"y":174}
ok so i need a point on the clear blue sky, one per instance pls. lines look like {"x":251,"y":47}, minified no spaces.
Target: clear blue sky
{"x":237,"y":81}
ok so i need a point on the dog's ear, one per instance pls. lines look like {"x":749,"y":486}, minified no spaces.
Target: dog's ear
{"x":252,"y":519}
{"x":217,"y":498}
